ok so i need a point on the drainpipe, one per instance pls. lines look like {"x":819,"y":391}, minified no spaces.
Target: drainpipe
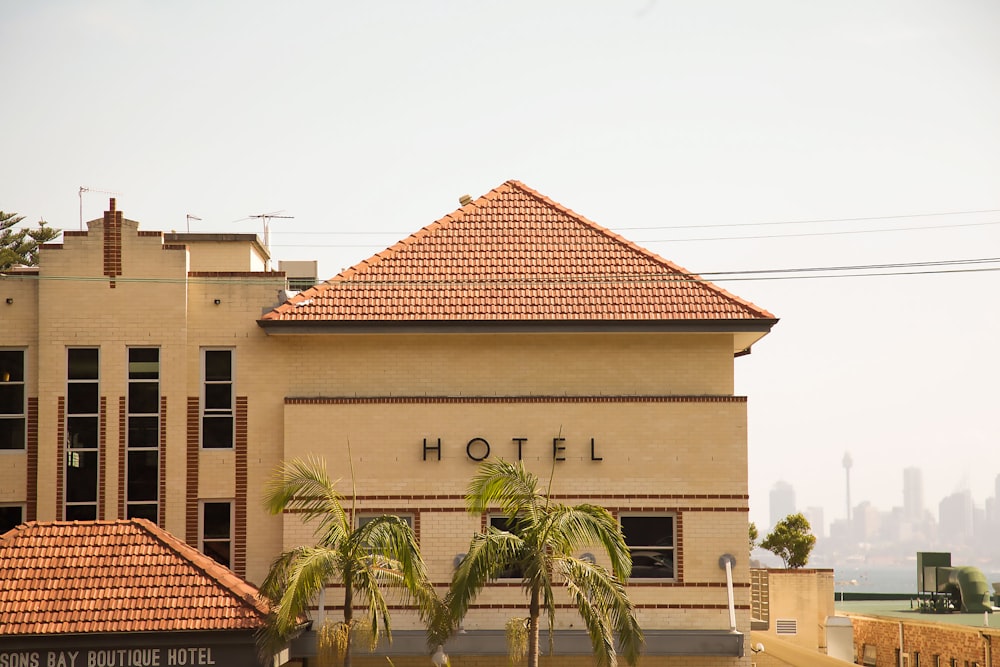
{"x":900,"y":645}
{"x":726,"y":562}
{"x":987,"y":650}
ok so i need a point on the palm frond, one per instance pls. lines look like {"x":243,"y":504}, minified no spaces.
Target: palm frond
{"x":605,"y":608}
{"x":304,"y":485}
{"x":505,"y":484}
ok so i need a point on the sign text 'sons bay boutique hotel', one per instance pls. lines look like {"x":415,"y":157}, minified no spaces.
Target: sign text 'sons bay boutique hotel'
{"x":165,"y":377}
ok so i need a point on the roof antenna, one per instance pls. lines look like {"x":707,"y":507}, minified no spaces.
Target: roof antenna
{"x":266,"y":218}
{"x":86,"y":189}
{"x":189,"y":219}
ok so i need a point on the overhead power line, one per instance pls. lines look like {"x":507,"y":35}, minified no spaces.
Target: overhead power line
{"x":799,"y":273}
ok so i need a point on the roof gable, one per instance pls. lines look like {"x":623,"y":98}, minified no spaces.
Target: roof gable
{"x":116,"y":576}
{"x":514,"y":255}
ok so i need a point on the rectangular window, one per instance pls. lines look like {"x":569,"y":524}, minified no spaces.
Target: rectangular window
{"x":82,"y":429}
{"x":511,"y":571}
{"x":217,"y":530}
{"x":869,"y":655}
{"x":13,"y":410}
{"x":11,"y":516}
{"x":650,"y":538}
{"x":217,"y":400}
{"x":142,"y":459}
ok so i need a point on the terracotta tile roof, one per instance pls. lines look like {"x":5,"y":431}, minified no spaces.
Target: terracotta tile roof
{"x":116,"y":576}
{"x":514,"y":255}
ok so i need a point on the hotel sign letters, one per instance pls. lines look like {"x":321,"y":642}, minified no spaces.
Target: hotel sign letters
{"x":186,"y":656}
{"x":480,"y":449}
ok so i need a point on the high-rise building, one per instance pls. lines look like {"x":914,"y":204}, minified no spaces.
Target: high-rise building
{"x":955,"y":518}
{"x":913,"y":494}
{"x":782,"y":501}
{"x":814,"y":515}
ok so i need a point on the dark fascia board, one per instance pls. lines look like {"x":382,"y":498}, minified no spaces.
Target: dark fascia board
{"x":292,"y":327}
{"x":692,"y":642}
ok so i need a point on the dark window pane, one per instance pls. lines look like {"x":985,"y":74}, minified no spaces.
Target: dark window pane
{"x":142,"y":512}
{"x":11,"y":399}
{"x":81,"y":432}
{"x":216,"y":520}
{"x":511,"y":570}
{"x":81,"y":512}
{"x":143,"y":477}
{"x":81,"y":398}
{"x":143,"y":363}
{"x":218,"y":364}
{"x":652,"y":564}
{"x":218,"y":396}
{"x":12,"y":433}
{"x":83,"y":363}
{"x":143,"y":397}
{"x":11,"y":366}
{"x":143,"y":431}
{"x":217,"y":432}
{"x":81,"y":477}
{"x":11,"y":516}
{"x":648,"y":530}
{"x":218,"y":551}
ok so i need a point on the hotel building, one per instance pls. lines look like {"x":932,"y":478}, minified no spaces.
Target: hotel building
{"x":165,"y":376}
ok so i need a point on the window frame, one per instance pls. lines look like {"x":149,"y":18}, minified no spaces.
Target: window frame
{"x":73,"y":453}
{"x":230,"y":539}
{"x":22,"y":416}
{"x":205,"y":412}
{"x":131,"y":448}
{"x":653,"y":548}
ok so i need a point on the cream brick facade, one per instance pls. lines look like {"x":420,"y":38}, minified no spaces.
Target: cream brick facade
{"x":644,"y":423}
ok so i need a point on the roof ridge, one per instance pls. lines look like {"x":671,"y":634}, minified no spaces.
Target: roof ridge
{"x":250,"y":597}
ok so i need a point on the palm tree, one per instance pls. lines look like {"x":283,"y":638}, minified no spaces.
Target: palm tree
{"x":368,"y":560}
{"x":540,"y":549}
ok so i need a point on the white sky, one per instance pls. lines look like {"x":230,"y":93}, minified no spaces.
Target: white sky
{"x":367,"y":120}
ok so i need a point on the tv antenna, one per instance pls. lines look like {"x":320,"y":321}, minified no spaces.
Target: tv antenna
{"x":266,"y":219}
{"x":189,"y":219}
{"x":83,"y":189}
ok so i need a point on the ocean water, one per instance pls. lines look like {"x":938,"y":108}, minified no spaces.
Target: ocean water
{"x":902,"y":579}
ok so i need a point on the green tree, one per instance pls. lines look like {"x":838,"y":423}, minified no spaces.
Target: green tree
{"x":791,"y":540}
{"x":754,"y":535}
{"x":369,"y":561}
{"x":20,"y":246}
{"x":540,"y":548}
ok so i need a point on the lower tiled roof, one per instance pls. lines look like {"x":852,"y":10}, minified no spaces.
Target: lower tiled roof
{"x":116,"y":576}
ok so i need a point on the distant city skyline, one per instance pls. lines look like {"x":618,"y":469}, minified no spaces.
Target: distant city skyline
{"x":959,"y":506}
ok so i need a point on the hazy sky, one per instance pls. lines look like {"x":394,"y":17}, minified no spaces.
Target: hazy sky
{"x":704,"y":131}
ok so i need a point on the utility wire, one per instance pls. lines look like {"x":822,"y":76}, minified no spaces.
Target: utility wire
{"x":800,"y":273}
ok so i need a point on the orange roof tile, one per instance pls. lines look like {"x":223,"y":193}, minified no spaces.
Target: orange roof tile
{"x":116,"y":576}
{"x":514,"y":255}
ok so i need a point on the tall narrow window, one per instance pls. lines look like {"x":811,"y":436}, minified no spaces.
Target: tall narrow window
{"x":651,"y":540}
{"x":12,"y":403}
{"x":217,"y":400}
{"x":82,"y":428}
{"x":142,"y":472}
{"x":217,"y":530}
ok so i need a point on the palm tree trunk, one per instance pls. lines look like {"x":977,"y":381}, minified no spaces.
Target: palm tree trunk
{"x":533,"y":620}
{"x":348,"y":617}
